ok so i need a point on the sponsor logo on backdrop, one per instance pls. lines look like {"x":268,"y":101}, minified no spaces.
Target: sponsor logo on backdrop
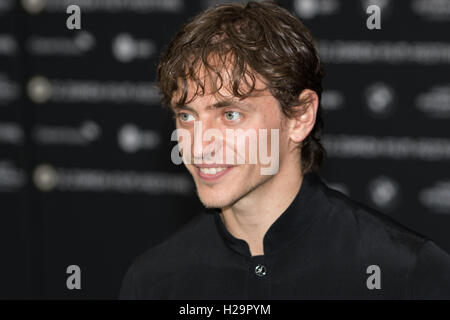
{"x":390,"y":52}
{"x":384,"y":193}
{"x":49,"y":178}
{"x":6,"y":5}
{"x":35,"y":6}
{"x":11,"y":133}
{"x":126,"y":48}
{"x":12,"y":177}
{"x":9,"y":90}
{"x":380,"y":100}
{"x":309,"y":9}
{"x":344,"y":146}
{"x":435,"y":103}
{"x":433,"y":10}
{"x":108,"y":6}
{"x":436,"y":197}
{"x":132,"y":139}
{"x":332,"y":100}
{"x":79,"y":44}
{"x":8,"y":45}
{"x":86,"y":133}
{"x":45,"y":177}
{"x":43,"y":90}
{"x":39,"y":89}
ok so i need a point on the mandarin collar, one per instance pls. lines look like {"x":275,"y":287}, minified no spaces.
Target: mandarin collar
{"x":289,"y":226}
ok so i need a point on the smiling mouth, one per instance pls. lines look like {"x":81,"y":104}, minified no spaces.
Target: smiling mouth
{"x":211,"y":173}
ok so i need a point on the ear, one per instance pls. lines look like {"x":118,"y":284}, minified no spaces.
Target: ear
{"x":304,"y":117}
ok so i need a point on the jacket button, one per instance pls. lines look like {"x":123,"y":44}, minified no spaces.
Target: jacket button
{"x":260,"y":270}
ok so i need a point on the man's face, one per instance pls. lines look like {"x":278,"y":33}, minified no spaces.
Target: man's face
{"x":223,"y":182}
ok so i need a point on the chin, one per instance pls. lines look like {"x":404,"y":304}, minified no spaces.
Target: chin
{"x":214,"y":200}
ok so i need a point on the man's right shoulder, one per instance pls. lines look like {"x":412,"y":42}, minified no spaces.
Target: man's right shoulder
{"x":187,"y":237}
{"x":181,"y":249}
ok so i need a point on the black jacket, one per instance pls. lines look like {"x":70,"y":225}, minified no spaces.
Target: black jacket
{"x":323,"y":246}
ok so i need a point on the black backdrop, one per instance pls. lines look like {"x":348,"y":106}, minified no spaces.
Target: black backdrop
{"x":85,"y":171}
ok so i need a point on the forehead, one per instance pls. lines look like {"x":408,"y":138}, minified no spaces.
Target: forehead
{"x":216,"y":83}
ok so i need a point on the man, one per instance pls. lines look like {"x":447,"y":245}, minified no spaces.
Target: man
{"x":273,"y":229}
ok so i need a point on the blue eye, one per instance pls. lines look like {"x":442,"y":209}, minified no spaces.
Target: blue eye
{"x":232,"y":115}
{"x":186,"y":117}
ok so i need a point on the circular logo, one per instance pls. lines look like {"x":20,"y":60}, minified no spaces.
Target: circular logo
{"x":39,"y":89}
{"x":380,"y":100}
{"x":33,"y":6}
{"x":45,"y":177}
{"x":384,"y":193}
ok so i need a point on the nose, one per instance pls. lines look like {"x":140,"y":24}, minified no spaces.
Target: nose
{"x":205,"y":141}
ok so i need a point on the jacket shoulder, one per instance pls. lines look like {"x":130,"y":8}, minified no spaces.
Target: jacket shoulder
{"x":165,"y":259}
{"x":406,"y":256}
{"x":369,"y":223}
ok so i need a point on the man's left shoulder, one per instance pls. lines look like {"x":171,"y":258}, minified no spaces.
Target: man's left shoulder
{"x":373,"y":229}
{"x":401,"y":252}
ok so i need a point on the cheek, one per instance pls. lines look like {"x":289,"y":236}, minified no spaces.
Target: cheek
{"x":190,"y":168}
{"x":275,"y":134}
{"x":283,"y":143}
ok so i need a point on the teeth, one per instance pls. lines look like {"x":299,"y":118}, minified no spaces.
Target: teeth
{"x":212,"y":170}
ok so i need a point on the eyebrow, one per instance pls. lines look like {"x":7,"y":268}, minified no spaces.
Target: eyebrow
{"x":218,"y":105}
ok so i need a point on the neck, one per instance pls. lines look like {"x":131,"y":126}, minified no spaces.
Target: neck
{"x":251,"y":217}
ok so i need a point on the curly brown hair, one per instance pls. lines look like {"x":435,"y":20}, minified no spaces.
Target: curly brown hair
{"x":259,"y":39}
